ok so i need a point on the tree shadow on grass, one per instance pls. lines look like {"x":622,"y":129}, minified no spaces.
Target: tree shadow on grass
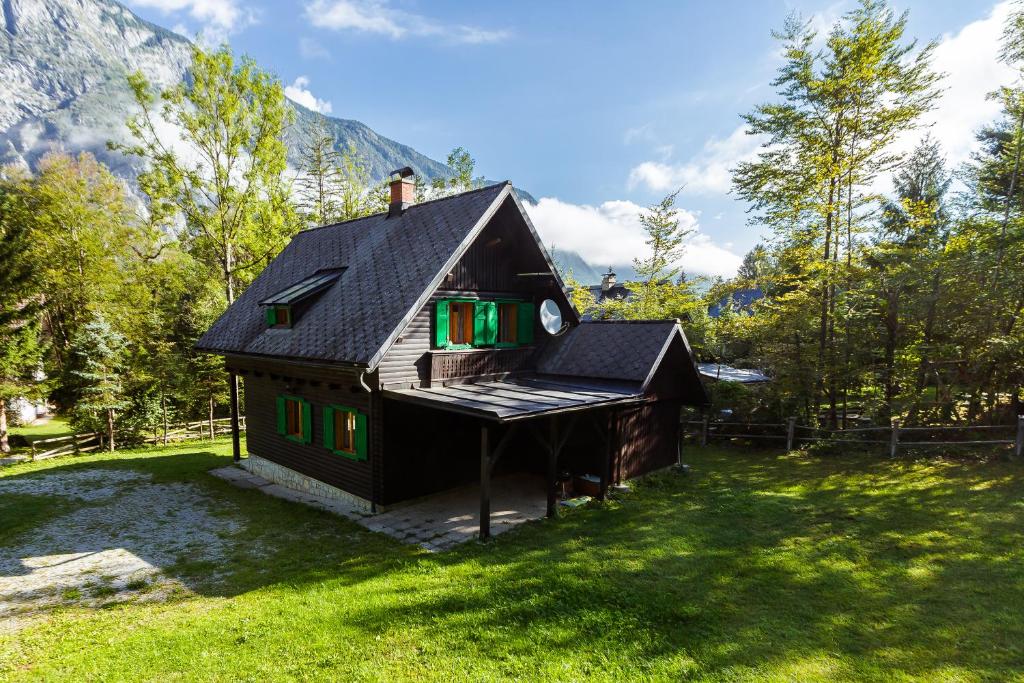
{"x":917,"y":572}
{"x":758,"y":566}
{"x":118,"y":524}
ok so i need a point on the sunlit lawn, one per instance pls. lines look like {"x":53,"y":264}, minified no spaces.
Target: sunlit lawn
{"x":756,"y":566}
{"x":49,"y":429}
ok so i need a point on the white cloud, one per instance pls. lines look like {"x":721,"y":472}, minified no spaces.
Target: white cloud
{"x":970,"y":60}
{"x":378,"y":16}
{"x":707,"y":172}
{"x":299,"y":92}
{"x":311,"y":49}
{"x":219,"y":18}
{"x":611,"y":234}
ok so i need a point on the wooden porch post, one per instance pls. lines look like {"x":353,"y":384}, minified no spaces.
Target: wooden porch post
{"x":606,"y":469}
{"x":553,"y":467}
{"x":485,"y":485}
{"x":236,"y":448}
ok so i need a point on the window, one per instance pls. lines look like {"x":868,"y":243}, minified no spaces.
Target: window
{"x":294,"y":418}
{"x":345,"y":432}
{"x":283,"y":316}
{"x":460,"y":322}
{"x":279,"y":316}
{"x":508,"y":327}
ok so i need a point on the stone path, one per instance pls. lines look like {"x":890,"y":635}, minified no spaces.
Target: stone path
{"x":436,"y":523}
{"x":113,"y":545}
{"x":246,"y":480}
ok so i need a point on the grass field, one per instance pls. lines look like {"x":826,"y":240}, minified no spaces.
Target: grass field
{"x":54,"y":427}
{"x":756,"y":566}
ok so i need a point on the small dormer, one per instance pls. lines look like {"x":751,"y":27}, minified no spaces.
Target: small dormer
{"x":282,"y":309}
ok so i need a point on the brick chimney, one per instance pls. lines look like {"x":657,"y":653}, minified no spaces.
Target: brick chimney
{"x":403,"y":191}
{"x":607,"y":280}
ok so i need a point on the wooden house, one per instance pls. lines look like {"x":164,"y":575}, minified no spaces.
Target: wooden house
{"x":404,"y":353}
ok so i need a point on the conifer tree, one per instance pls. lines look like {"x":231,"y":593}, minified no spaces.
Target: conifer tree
{"x":98,"y":353}
{"x":319,"y":181}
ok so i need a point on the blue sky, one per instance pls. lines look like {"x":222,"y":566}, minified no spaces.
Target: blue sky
{"x":597,"y":108}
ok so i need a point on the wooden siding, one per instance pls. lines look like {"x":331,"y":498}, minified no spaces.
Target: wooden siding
{"x":487,"y":271}
{"x":264,"y":381}
{"x":647,"y":439}
{"x":446,"y":365}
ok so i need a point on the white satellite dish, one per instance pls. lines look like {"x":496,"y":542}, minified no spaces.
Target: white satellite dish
{"x":550,"y":316}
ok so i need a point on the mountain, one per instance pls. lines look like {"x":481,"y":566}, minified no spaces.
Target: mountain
{"x":572,"y":262}
{"x":62,"y":86}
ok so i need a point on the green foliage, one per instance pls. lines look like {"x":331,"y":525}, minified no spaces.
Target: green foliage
{"x":21,"y":345}
{"x":463,"y":167}
{"x":225,"y":177}
{"x":661,"y":292}
{"x":333,"y":185}
{"x":318,"y":182}
{"x":580,"y":296}
{"x":97,"y":354}
{"x":841,"y":107}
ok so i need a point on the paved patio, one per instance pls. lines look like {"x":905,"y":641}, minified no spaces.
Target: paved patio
{"x":438,"y":522}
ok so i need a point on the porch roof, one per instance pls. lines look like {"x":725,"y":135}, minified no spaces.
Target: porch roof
{"x":521,"y":398}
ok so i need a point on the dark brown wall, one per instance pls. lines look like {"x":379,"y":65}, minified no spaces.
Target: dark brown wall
{"x":503,"y":249}
{"x":264,"y":381}
{"x":647,"y":439}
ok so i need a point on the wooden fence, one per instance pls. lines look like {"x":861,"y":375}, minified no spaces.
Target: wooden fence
{"x":893,"y":436}
{"x":84,"y":443}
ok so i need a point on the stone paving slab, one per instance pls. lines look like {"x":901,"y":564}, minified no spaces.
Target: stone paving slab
{"x":435,"y":523}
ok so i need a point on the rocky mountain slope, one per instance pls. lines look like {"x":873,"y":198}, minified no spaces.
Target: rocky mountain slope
{"x":62,"y":85}
{"x":63,"y":68}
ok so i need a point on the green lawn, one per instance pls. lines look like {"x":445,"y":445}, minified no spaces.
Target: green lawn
{"x":757,"y":566}
{"x":54,"y":427}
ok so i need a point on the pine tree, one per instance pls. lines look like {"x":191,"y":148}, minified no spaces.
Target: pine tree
{"x":355,"y":186}
{"x":319,"y":182}
{"x":660,"y":291}
{"x":98,"y":354}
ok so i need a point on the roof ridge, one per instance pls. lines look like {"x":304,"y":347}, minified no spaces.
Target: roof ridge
{"x":651,"y":321}
{"x":413,"y":206}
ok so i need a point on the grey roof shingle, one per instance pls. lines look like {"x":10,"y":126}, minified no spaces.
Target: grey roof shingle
{"x":390,"y":264}
{"x":517,"y":398}
{"x":608,"y":349}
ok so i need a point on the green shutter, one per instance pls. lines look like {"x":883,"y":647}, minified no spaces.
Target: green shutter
{"x":271,"y":316}
{"x":485,"y":323}
{"x":441,"y":325}
{"x":329,"y":427}
{"x":307,"y":422}
{"x":525,"y":319}
{"x":361,"y":436}
{"x":281,"y":420}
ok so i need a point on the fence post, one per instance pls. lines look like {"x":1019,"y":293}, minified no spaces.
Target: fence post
{"x":894,"y":442}
{"x":1020,"y":436}
{"x":790,"y":433}
{"x":704,"y":431}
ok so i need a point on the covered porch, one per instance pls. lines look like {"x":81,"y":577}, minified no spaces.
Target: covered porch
{"x":546,"y":412}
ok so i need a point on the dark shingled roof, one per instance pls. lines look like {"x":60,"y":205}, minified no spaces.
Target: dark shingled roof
{"x":391,"y":266}
{"x":519,"y":398}
{"x":610,"y":349}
